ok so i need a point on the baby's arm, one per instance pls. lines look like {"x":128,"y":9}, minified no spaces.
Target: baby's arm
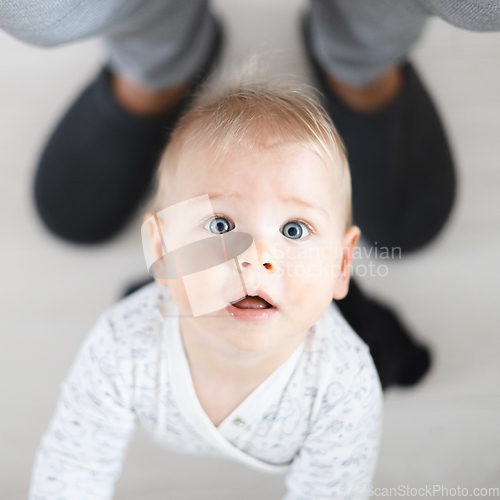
{"x":82,"y":452}
{"x":338,"y":458}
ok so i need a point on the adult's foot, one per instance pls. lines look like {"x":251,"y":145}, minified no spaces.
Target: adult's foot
{"x":140,"y":101}
{"x":402,"y":169}
{"x":98,"y":165}
{"x":371,"y":97}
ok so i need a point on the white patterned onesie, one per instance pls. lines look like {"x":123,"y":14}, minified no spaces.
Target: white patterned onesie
{"x":318,"y":416}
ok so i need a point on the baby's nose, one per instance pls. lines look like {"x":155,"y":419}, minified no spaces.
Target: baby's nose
{"x":267,"y":265}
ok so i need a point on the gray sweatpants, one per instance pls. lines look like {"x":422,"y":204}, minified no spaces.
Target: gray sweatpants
{"x":159,"y":43}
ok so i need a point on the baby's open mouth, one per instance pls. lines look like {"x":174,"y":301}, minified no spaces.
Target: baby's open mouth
{"x":252,"y":302}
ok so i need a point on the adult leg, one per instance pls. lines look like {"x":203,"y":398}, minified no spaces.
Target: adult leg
{"x":357,"y":41}
{"x":98,"y":164}
{"x":49,"y":23}
{"x":155,"y":43}
{"x":475,"y":15}
{"x":359,"y":50}
{"x":402,"y":169}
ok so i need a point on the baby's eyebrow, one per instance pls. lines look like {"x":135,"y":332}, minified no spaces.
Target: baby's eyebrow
{"x":222,"y":196}
{"x":288,"y":201}
{"x":305,"y":204}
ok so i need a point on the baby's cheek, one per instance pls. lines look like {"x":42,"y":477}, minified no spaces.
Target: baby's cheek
{"x":303,"y":291}
{"x":306,"y":307}
{"x":178,"y":292}
{"x":309,"y":285}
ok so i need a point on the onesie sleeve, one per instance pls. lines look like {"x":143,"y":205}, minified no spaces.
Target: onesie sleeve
{"x":338,"y":457}
{"x":81,"y":454}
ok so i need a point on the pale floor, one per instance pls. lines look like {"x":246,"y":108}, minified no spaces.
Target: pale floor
{"x":443,"y":432}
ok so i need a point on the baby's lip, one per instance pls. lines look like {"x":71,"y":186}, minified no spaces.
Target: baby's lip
{"x":259,"y":293}
{"x":264,"y":295}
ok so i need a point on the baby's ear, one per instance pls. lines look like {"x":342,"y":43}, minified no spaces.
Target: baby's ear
{"x":350,"y":239}
{"x":154,"y":245}
{"x":152,"y":234}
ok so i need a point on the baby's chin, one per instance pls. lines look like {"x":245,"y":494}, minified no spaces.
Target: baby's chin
{"x":251,"y":337}
{"x":250,"y":341}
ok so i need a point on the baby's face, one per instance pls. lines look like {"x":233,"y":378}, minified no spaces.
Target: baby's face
{"x":286,"y":199}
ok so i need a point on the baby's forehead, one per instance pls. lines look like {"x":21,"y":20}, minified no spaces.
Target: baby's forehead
{"x":244,"y":158}
{"x":270,"y":173}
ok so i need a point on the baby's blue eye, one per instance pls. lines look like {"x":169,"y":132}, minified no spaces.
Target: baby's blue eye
{"x":294,"y":230}
{"x":219,"y":225}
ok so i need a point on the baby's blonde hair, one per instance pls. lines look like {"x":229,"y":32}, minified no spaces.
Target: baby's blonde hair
{"x":255,"y":112}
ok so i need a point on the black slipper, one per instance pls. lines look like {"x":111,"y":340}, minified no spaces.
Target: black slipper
{"x":399,"y":359}
{"x":99,"y":162}
{"x":402,"y":170}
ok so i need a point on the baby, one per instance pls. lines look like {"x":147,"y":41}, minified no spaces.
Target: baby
{"x":237,"y":349}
